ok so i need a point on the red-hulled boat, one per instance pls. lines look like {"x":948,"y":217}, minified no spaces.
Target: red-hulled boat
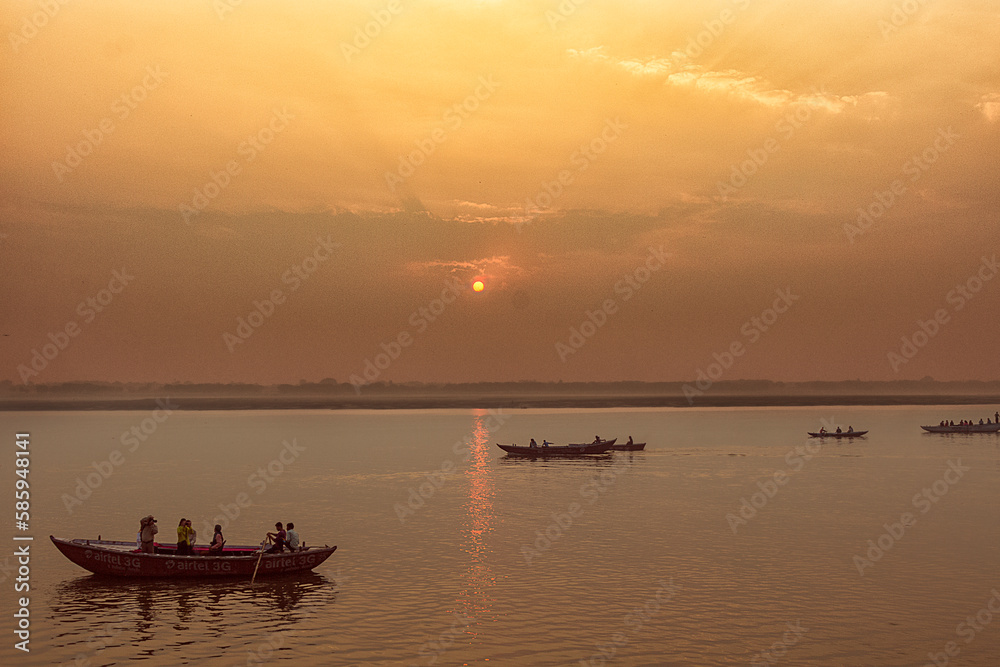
{"x":123,"y":559}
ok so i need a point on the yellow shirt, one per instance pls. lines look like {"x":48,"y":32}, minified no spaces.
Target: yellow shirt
{"x":183,"y":532}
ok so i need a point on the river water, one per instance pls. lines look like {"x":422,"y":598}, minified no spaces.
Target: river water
{"x":733,"y":539}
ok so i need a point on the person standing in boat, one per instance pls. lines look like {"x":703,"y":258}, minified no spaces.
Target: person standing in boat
{"x":279,"y":538}
{"x":183,"y":531}
{"x":148,"y":534}
{"x":293,"y":536}
{"x":630,"y":440}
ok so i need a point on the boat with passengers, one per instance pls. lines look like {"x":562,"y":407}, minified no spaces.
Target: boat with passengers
{"x":124,"y":559}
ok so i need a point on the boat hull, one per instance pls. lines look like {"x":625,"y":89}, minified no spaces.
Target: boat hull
{"x":610,"y":442}
{"x":557,"y":451}
{"x":972,"y":428}
{"x":121,"y":559}
{"x":626,"y":447}
{"x":852,"y":434}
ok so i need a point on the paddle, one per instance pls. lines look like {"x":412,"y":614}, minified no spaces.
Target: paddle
{"x":262,"y":543}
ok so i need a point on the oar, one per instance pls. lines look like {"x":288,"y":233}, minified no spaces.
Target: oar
{"x":258,"y":561}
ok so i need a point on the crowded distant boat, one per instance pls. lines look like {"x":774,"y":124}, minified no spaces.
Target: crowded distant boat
{"x":966,"y":426}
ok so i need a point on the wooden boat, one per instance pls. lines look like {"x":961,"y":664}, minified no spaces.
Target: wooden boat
{"x":842,"y":434}
{"x":629,"y":447}
{"x":123,"y":559}
{"x":601,"y":447}
{"x":965,"y":428}
{"x":610,"y":443}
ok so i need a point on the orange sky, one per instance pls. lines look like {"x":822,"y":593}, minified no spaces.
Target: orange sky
{"x":217,"y":152}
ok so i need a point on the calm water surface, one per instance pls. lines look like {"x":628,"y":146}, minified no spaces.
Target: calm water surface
{"x":451,"y":554}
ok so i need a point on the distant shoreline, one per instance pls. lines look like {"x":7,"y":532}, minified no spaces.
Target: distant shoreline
{"x":478,"y":402}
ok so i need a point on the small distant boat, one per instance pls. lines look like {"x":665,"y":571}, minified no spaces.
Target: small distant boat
{"x":834,"y":434}
{"x":964,"y":428}
{"x":122,"y":559}
{"x":601,"y":447}
{"x":598,"y":442}
{"x":629,"y":447}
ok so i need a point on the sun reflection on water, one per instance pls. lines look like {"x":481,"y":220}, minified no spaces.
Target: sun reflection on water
{"x":476,"y":600}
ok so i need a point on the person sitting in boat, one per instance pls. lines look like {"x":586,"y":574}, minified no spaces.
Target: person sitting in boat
{"x":545,"y":443}
{"x":147,"y":534}
{"x":951,"y":423}
{"x":532,"y":443}
{"x":293,"y":537}
{"x":215,"y":548}
{"x":980,"y":421}
{"x":838,"y":430}
{"x":822,"y":429}
{"x":279,"y":538}
{"x":597,"y":439}
{"x":850,"y":429}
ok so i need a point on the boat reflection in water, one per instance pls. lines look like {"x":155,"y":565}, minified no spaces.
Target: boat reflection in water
{"x":476,"y":599}
{"x":103,"y":618}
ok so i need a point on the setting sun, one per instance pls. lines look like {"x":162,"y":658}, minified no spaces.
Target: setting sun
{"x":478,"y":286}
